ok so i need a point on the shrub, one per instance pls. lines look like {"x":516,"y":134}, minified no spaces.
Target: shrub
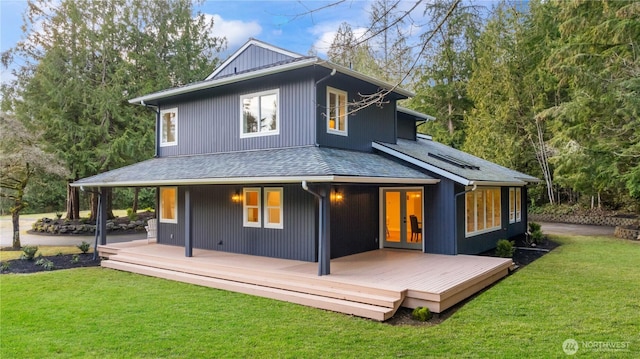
{"x":84,"y":247}
{"x":75,"y":259}
{"x":58,"y":215}
{"x":131,"y":214}
{"x":537,"y":237}
{"x":533,"y":226}
{"x":4,"y":267}
{"x":45,"y":263}
{"x":421,"y":313}
{"x":504,"y":248}
{"x":29,"y":252}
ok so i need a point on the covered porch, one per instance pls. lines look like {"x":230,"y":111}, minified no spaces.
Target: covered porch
{"x":372,"y":284}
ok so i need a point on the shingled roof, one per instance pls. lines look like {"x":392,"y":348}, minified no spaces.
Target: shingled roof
{"x":281,"y":165}
{"x":454,"y":164}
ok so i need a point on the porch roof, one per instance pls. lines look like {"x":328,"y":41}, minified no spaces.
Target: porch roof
{"x":281,"y":165}
{"x":453,"y":164}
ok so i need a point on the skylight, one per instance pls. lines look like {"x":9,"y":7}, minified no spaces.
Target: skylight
{"x":454,"y":161}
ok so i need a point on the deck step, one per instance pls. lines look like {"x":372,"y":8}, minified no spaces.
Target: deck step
{"x":314,"y":286}
{"x":374,"y":312}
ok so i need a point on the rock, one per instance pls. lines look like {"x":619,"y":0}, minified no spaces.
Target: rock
{"x":63,"y":230}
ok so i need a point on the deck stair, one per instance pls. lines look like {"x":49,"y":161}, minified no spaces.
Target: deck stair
{"x":359,"y":300}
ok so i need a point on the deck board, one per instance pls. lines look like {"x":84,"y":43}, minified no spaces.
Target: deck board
{"x":432,"y":280}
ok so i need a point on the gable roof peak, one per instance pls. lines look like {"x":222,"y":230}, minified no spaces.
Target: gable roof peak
{"x":253,"y":42}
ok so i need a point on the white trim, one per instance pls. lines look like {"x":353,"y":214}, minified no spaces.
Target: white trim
{"x":245,"y":220}
{"x":246,"y":180}
{"x":265,"y":206}
{"x":223,"y":81}
{"x":244,"y":47}
{"x":264,"y":72}
{"x":260,"y":95}
{"x":175,"y":142}
{"x":417,"y":114}
{"x":337,"y":93}
{"x":160,"y":216}
{"x":422,"y":164}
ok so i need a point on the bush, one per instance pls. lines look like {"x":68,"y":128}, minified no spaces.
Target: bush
{"x":4,"y":267}
{"x":45,"y":263}
{"x":537,"y":237}
{"x":29,"y":252}
{"x":75,"y":259}
{"x":504,"y":248}
{"x":421,"y":313}
{"x":533,"y":226}
{"x":132,"y":215}
{"x":84,"y":247}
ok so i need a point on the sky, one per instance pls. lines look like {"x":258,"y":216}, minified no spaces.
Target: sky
{"x":288,"y":24}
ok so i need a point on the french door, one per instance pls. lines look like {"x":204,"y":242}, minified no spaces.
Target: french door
{"x":402,"y":213}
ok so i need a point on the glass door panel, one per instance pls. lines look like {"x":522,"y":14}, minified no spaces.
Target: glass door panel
{"x":402,"y":218}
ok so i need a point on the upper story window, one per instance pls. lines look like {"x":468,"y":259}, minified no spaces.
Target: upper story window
{"x":169,"y":127}
{"x":260,"y":114}
{"x":336,"y":111}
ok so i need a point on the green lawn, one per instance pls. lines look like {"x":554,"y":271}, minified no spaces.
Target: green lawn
{"x":587,"y":290}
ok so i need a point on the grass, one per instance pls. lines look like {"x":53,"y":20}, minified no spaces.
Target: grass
{"x":45,"y":250}
{"x":586,"y":290}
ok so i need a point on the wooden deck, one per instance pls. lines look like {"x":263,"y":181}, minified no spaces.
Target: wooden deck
{"x":372,"y":284}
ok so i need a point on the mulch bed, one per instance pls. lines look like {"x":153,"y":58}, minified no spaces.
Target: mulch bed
{"x":62,"y":261}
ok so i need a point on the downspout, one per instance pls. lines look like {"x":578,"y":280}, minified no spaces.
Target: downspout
{"x":323,"y":263}
{"x":455,"y":202}
{"x":155,"y":109}
{"x":315,"y":95}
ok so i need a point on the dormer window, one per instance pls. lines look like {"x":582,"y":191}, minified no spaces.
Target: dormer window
{"x":336,"y":111}
{"x":169,"y":127}
{"x":260,"y":114}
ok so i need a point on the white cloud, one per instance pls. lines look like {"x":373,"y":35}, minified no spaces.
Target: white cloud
{"x":237,"y":32}
{"x":326,"y":32}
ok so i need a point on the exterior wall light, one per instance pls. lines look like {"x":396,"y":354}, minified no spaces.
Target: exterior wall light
{"x":236,"y":197}
{"x":336,"y":196}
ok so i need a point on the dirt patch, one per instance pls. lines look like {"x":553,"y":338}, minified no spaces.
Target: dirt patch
{"x":62,"y":261}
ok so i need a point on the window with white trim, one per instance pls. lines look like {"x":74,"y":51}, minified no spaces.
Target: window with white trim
{"x":273,"y":208}
{"x":259,"y":114}
{"x":169,"y":204}
{"x":482,"y":211}
{"x":169,"y":127}
{"x":515,"y":204}
{"x":337,"y":111}
{"x":251,"y":207}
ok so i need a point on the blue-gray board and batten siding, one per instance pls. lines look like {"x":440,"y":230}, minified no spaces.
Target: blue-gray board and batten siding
{"x":217,"y":224}
{"x":486,"y":241}
{"x":209,"y":122}
{"x":251,"y":58}
{"x":363,"y":126}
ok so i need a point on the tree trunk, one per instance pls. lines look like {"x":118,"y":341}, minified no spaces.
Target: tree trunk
{"x":450,"y":119}
{"x":109,"y":195}
{"x":15,"y":221}
{"x":73,"y":201}
{"x":93,"y":212}
{"x":134,"y":207}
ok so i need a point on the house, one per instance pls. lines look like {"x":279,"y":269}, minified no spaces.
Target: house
{"x":266,"y":157}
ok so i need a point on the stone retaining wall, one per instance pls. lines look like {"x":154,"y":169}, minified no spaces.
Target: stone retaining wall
{"x":627,"y":233}
{"x":577,"y":219}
